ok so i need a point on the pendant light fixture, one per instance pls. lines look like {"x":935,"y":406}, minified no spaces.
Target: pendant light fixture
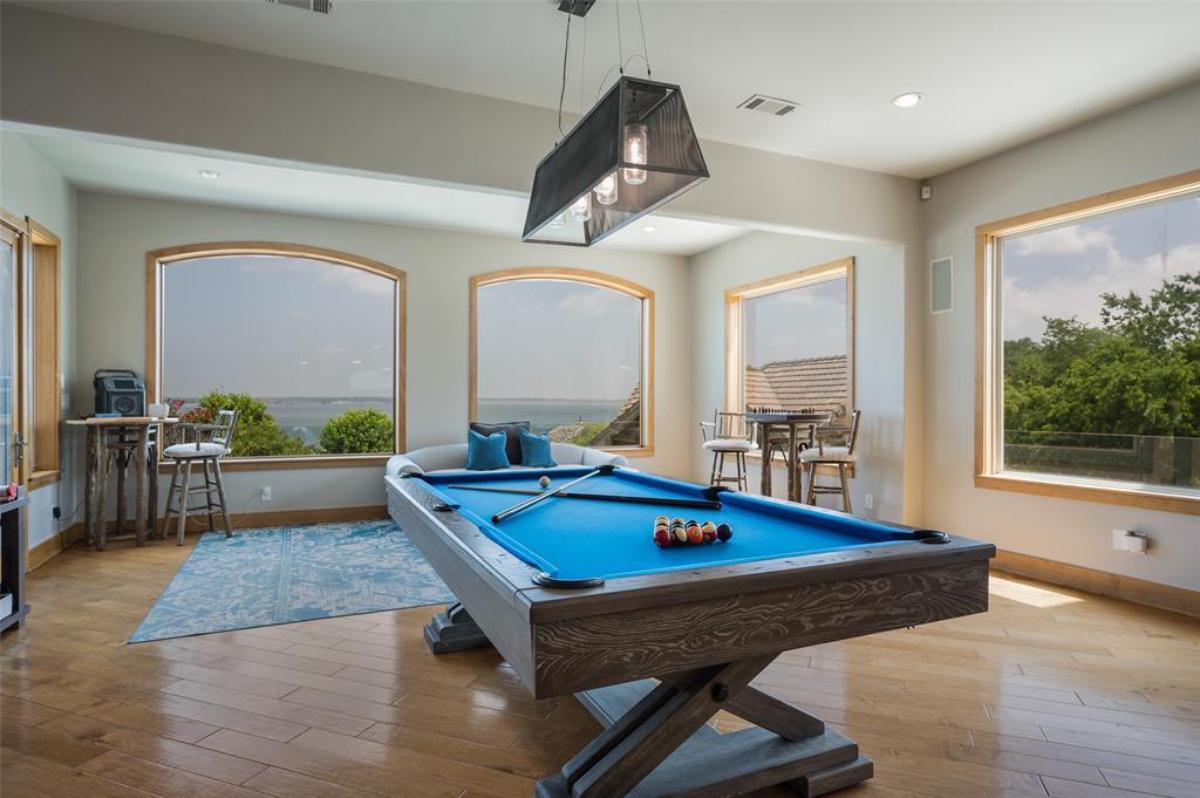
{"x":633,"y":152}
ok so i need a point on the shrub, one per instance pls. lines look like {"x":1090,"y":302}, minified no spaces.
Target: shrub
{"x":257,"y":434}
{"x":358,"y":432}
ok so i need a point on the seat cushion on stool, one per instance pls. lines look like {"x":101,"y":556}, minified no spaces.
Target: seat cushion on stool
{"x":183,"y":451}
{"x":730,"y":445}
{"x":831,"y":454}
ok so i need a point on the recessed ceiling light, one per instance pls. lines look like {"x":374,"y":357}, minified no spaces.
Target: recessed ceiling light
{"x":649,"y":228}
{"x":209,"y":174}
{"x":907,"y":100}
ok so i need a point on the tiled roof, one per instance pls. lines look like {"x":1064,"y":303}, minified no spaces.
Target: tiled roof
{"x":821,"y":383}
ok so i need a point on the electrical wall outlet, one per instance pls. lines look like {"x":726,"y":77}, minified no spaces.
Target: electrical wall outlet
{"x":264,"y":493}
{"x":1131,"y":541}
{"x":869,"y":501}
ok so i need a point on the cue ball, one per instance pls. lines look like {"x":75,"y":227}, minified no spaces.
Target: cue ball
{"x":544,"y":481}
{"x":724,"y":532}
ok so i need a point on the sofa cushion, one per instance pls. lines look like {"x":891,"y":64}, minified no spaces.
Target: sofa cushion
{"x":535,"y":451}
{"x":512,"y":432}
{"x":486,"y":453}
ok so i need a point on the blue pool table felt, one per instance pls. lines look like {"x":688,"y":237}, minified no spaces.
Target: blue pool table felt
{"x":579,"y":539}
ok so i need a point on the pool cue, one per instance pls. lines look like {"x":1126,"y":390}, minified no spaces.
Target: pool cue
{"x":530,"y":502}
{"x":699,"y":504}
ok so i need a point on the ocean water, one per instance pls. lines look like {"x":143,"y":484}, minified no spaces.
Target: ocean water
{"x":546,"y":414}
{"x":306,"y":417}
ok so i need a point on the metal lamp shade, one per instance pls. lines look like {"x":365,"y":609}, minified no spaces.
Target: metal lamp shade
{"x":595,"y":150}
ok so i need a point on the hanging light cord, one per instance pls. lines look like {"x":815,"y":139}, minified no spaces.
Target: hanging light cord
{"x":624,"y":62}
{"x":645,"y":50}
{"x":562,"y":91}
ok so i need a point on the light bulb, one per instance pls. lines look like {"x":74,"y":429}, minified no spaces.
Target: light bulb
{"x":606,"y":190}
{"x":581,"y":210}
{"x":558,"y":221}
{"x":635,"y":152}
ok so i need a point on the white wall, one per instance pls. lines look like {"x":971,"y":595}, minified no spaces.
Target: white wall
{"x":116,"y":232}
{"x":1148,"y":141}
{"x":879,"y":343}
{"x":29,"y":186}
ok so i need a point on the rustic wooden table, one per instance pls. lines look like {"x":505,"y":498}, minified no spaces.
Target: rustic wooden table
{"x":766,"y":420}
{"x":126,"y":438}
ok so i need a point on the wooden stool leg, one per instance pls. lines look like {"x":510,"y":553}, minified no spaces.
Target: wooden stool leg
{"x":741,"y":471}
{"x":101,"y":494}
{"x":845,"y":488}
{"x":152,"y":490}
{"x":712,"y":477}
{"x":221,"y":496}
{"x":811,"y":470}
{"x":209,"y":488}
{"x":186,"y":465}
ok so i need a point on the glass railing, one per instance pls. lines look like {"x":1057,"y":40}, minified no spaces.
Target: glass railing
{"x":1165,"y":460}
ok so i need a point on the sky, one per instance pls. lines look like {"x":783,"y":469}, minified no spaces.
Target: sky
{"x":804,"y":322}
{"x":1061,"y":271}
{"x":277,"y":327}
{"x":554,"y":339}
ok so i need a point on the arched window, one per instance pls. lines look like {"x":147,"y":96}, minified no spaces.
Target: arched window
{"x":307,"y":343}
{"x":568,"y":350}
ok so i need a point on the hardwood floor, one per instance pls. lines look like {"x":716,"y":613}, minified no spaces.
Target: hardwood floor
{"x":1052,"y":693}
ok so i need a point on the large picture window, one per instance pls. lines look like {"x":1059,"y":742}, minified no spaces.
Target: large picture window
{"x":790,"y":341}
{"x":1091,"y":360}
{"x":306,"y":344}
{"x":568,"y":350}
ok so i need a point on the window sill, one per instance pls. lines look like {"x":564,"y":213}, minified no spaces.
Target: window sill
{"x":40,"y":479}
{"x":629,"y":451}
{"x":229,"y":464}
{"x":1187,"y":502}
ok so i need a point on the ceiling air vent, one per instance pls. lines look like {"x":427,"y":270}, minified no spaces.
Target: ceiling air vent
{"x":768,"y":105}
{"x":316,"y":6}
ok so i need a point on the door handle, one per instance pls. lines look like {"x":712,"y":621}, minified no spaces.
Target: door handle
{"x":19,"y":445}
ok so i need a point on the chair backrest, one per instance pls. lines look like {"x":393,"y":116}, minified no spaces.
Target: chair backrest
{"x":222,"y":428}
{"x":728,"y":424}
{"x":849,"y":434}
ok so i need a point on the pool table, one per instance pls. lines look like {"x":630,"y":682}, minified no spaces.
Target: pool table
{"x":575,"y":595}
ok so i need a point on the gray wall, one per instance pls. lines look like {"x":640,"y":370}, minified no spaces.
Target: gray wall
{"x":1148,"y":141}
{"x":116,"y":232}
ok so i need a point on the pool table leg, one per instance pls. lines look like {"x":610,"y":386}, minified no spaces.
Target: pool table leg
{"x":453,"y":630}
{"x":657,"y":742}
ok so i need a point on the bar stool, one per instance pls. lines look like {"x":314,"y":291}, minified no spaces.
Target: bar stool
{"x":842,"y":457}
{"x":211,"y":444}
{"x":728,"y":433}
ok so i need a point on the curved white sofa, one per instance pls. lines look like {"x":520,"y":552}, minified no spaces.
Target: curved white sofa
{"x":453,"y":457}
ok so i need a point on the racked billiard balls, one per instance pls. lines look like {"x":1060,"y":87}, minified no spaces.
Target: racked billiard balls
{"x":724,"y":532}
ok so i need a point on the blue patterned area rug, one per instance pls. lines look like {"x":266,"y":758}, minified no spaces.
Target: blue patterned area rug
{"x":273,"y":575}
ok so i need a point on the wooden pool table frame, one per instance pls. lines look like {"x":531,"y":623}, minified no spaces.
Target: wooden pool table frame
{"x":704,"y":633}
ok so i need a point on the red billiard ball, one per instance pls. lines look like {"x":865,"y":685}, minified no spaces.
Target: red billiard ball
{"x":724,"y":532}
{"x":662,"y":538}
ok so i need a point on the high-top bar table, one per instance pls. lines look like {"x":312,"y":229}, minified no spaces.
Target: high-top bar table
{"x":127,"y":438}
{"x":793,"y":421}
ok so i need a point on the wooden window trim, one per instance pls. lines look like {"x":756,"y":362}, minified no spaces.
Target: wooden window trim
{"x":45,"y":446}
{"x":988,"y":350}
{"x":601,"y":280}
{"x":15,"y":232}
{"x":159,"y":259}
{"x":734,"y":350}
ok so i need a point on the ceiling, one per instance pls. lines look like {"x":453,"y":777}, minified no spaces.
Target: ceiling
{"x":993,"y":74}
{"x":141,"y":171}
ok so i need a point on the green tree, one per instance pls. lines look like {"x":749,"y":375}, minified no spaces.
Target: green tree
{"x":257,"y":434}
{"x":358,"y":432}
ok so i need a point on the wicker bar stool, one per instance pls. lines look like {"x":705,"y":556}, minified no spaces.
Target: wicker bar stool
{"x":728,"y":433}
{"x":212,"y":442}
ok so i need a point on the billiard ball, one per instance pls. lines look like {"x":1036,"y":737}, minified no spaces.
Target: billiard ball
{"x":662,"y":520}
{"x":662,"y":538}
{"x":695,"y":536}
{"x":679,"y":533}
{"x":710,"y":531}
{"x":724,"y":532}
{"x":676,"y":520}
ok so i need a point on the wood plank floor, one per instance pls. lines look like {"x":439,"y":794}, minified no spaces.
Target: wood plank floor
{"x":1052,"y":693}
